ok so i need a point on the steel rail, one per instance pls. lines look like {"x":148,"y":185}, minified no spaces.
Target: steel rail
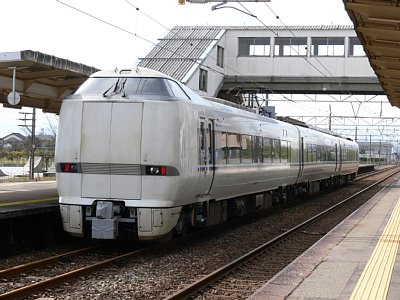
{"x":45,"y":261}
{"x":228,"y":268}
{"x":57,"y":280}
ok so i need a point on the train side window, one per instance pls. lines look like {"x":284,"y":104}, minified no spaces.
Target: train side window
{"x":220,"y":148}
{"x":234,"y":148}
{"x":309,"y":153}
{"x":267,"y":150}
{"x":276,"y":151}
{"x":333,"y":154}
{"x":284,"y":151}
{"x":247,"y":149}
{"x":257,"y":143}
{"x":318,"y":153}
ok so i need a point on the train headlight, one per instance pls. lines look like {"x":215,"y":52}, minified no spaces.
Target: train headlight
{"x":156,"y":170}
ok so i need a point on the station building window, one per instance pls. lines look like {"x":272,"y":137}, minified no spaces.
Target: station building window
{"x":327,"y":46}
{"x":290,"y":46}
{"x":355,"y":47}
{"x":254,"y":46}
{"x":220,"y":56}
{"x":203,"y":77}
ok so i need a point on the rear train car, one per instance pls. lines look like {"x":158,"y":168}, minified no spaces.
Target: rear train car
{"x":140,"y":155}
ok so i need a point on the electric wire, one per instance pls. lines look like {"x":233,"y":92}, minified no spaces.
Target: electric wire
{"x":195,"y":61}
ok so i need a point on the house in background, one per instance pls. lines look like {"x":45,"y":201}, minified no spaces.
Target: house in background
{"x":12,"y":141}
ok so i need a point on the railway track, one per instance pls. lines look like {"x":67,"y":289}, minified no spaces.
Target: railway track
{"x":229,"y":289}
{"x":241,"y":277}
{"x":32,"y":272}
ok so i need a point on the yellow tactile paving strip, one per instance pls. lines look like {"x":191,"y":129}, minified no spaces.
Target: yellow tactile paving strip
{"x":375,"y":279}
{"x":28,"y":201}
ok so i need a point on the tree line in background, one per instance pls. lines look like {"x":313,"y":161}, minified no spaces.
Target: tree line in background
{"x":16,"y":153}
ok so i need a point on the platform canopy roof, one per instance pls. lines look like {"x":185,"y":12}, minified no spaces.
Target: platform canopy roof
{"x":377,"y":24}
{"x":42,"y":80}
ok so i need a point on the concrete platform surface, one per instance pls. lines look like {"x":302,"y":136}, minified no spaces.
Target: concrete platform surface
{"x":358,"y":259}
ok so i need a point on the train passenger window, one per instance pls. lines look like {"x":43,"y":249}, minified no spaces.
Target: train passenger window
{"x":318,"y":153}
{"x":344,"y":155}
{"x":323,"y":153}
{"x":234,"y":148}
{"x":314,"y":153}
{"x":267,"y":150}
{"x":257,"y":155}
{"x":221,"y":151}
{"x":284,"y":151}
{"x":276,"y":151}
{"x":332,"y":154}
{"x":309,"y":153}
{"x":247,"y":149}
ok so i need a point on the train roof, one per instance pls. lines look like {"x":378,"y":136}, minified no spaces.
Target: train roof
{"x":134,"y":72}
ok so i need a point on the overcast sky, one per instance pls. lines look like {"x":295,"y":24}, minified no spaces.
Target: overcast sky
{"x":53,"y":28}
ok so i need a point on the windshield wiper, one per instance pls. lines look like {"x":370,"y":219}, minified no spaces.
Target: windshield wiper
{"x":115,"y":85}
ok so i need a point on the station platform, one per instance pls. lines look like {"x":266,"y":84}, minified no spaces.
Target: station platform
{"x":358,"y":259}
{"x":26,"y":198}
{"x":29,"y":216}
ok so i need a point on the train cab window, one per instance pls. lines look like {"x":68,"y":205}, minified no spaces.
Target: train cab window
{"x":267,"y":150}
{"x":131,"y":86}
{"x":276,"y":151}
{"x":221,"y":150}
{"x":234,"y":148}
{"x":247,"y":149}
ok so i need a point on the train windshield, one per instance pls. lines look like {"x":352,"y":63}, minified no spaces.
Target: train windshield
{"x":126,"y":86}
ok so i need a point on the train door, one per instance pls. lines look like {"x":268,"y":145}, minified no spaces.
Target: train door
{"x":301,"y":158}
{"x":339,"y":159}
{"x":206,"y":154}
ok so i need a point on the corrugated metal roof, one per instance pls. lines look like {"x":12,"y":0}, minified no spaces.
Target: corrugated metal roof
{"x":176,"y":54}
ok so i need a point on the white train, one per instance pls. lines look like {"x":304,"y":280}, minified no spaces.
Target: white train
{"x":140,"y":154}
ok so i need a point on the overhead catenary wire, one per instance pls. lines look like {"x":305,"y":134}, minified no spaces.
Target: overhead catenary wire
{"x":177,"y":54}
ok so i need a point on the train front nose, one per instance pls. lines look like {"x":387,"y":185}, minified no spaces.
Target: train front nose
{"x":111,"y":156}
